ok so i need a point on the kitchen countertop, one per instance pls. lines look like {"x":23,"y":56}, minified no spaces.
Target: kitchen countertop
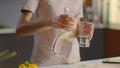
{"x":88,"y":64}
{"x":7,"y":30}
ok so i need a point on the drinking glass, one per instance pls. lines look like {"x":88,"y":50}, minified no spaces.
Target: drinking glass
{"x":84,"y":40}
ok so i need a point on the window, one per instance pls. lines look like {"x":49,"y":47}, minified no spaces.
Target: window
{"x":113,"y":14}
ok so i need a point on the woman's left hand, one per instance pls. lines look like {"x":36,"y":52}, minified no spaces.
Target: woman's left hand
{"x":88,"y":29}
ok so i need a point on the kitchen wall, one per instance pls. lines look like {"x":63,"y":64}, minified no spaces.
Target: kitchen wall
{"x":10,"y":12}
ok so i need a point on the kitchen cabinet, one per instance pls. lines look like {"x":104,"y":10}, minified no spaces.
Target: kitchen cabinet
{"x":95,"y":51}
{"x":112,"y":43}
{"x":9,"y":41}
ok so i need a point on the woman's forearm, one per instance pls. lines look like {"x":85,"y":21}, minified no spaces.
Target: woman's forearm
{"x":78,"y":28}
{"x":31,"y":28}
{"x":27,"y":27}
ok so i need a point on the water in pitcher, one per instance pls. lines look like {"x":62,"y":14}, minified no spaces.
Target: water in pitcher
{"x":63,"y":43}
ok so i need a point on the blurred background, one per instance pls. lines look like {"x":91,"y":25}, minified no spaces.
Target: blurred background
{"x":104,"y":14}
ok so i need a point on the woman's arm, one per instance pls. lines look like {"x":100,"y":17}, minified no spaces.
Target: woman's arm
{"x":26,"y":27}
{"x":78,"y":28}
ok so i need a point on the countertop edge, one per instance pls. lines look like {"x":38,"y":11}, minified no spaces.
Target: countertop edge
{"x":7,"y":30}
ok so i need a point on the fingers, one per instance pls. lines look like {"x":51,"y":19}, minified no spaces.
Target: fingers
{"x":66,"y":17}
{"x":88,"y":29}
{"x":65,"y":22}
{"x":65,"y":26}
{"x":88,"y":26}
{"x":90,"y":33}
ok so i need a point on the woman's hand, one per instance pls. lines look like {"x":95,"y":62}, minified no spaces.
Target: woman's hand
{"x":63,"y":22}
{"x":88,"y":29}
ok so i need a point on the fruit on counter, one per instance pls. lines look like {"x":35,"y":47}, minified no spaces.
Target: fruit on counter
{"x":27,"y":64}
{"x":22,"y":66}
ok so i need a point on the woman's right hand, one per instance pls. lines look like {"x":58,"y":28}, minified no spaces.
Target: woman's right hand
{"x":63,"y":22}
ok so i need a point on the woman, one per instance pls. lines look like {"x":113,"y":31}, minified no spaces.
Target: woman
{"x":48,"y":17}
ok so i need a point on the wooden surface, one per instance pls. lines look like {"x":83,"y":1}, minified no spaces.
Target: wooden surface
{"x":112,"y":43}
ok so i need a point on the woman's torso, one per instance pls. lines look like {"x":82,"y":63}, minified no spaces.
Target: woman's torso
{"x":43,"y":41}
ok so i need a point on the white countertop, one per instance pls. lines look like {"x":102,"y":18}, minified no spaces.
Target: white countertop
{"x":7,"y":30}
{"x":87,"y":64}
